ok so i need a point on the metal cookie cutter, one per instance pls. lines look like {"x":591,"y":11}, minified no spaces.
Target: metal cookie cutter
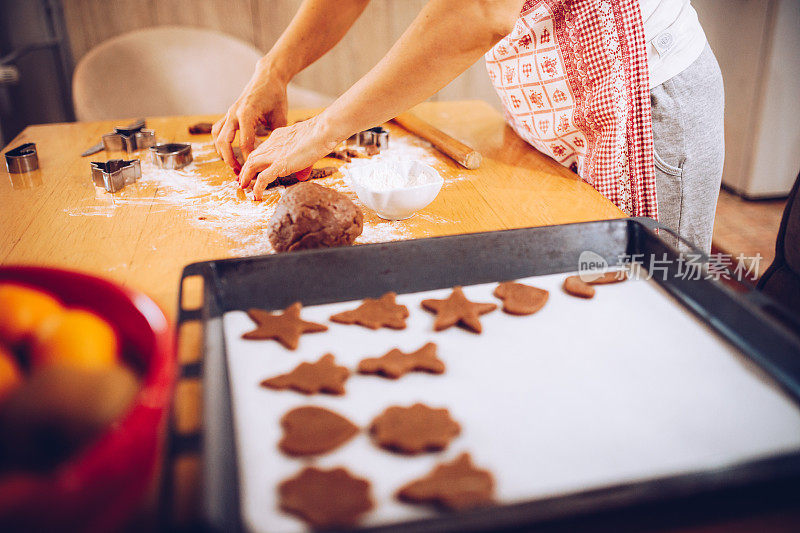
{"x":115,"y":174}
{"x":129,"y":139}
{"x":377,"y":137}
{"x":23,"y":158}
{"x":172,"y":155}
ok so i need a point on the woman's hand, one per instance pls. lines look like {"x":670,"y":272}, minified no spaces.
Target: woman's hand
{"x":263,"y":101}
{"x":287,"y":150}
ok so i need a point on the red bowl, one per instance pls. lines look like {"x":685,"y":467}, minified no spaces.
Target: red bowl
{"x":102,"y":486}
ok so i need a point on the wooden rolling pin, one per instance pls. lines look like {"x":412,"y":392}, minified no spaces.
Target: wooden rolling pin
{"x":453,"y":148}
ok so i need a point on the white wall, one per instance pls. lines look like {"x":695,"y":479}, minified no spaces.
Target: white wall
{"x":757,"y":44}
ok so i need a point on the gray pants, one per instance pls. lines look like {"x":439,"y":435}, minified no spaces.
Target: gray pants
{"x":689,"y":148}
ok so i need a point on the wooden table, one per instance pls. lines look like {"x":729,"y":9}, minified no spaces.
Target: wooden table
{"x":56,"y":217}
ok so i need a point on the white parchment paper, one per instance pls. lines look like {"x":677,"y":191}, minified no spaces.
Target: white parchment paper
{"x":583,"y":394}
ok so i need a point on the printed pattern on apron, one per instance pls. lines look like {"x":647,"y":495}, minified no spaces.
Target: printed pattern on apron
{"x":574,"y":83}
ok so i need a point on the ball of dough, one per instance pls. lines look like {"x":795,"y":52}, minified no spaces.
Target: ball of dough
{"x":312,"y":216}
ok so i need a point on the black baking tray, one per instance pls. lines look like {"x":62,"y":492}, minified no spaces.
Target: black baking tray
{"x":745,"y":318}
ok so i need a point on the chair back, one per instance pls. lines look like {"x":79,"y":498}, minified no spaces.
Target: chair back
{"x":166,"y":70}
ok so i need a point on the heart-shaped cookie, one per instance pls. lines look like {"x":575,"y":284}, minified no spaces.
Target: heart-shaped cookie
{"x":310,"y":430}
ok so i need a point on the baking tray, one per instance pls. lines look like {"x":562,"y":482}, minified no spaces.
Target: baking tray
{"x":319,"y":277}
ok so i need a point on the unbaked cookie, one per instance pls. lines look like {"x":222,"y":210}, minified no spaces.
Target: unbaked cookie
{"x":376,"y":313}
{"x":285,"y":327}
{"x":456,"y":309}
{"x":575,"y":286}
{"x":311,"y":378}
{"x":311,"y":430}
{"x":414,"y":429}
{"x":326,"y":498}
{"x":455,"y":485}
{"x":395,"y":363}
{"x":519,"y":299}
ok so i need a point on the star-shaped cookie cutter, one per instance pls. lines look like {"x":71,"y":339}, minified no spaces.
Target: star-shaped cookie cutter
{"x":129,"y":139}
{"x":115,"y":174}
{"x":172,"y":155}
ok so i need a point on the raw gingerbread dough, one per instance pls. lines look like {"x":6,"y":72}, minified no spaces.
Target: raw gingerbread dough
{"x":414,"y":429}
{"x":326,"y":498}
{"x":291,"y":179}
{"x":455,"y":485}
{"x":312,"y":216}
{"x":311,"y":430}
{"x":201,"y":128}
{"x":575,"y":286}
{"x":285,"y":327}
{"x":395,"y":363}
{"x":456,"y":309}
{"x":520,"y":299}
{"x":311,"y":378}
{"x":376,"y":313}
{"x":614,"y":276}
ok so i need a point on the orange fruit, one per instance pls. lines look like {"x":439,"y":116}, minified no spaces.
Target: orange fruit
{"x":22,"y":310}
{"x":10,"y":375}
{"x":75,"y":338}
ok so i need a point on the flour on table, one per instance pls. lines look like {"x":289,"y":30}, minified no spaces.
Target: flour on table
{"x":227,"y":210}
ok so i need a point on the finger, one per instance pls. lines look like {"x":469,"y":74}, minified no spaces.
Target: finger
{"x":264,"y":178}
{"x":303,"y":175}
{"x":254,"y":164}
{"x":224,"y":144}
{"x":215,"y":129}
{"x":247,"y":132}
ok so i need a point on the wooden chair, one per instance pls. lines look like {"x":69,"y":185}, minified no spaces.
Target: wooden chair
{"x":168,"y":70}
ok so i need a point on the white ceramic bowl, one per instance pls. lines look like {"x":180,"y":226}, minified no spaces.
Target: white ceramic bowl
{"x":396,"y":203}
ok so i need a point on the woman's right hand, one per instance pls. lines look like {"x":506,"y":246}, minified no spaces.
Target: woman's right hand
{"x":263,"y":101}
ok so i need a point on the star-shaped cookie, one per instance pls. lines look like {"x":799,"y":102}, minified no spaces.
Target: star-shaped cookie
{"x":311,"y":378}
{"x":454,"y":485}
{"x":396,"y":363}
{"x":376,"y":313}
{"x":456,"y":309}
{"x":285,"y":327}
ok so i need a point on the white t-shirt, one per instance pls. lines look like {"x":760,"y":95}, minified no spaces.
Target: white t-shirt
{"x":673,"y":35}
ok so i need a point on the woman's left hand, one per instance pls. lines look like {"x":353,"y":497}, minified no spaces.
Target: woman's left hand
{"x":286,"y":150}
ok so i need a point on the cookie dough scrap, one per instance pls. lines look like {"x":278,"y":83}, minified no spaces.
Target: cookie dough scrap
{"x":415,"y":429}
{"x":520,"y":299}
{"x":311,"y":378}
{"x":575,"y":286}
{"x":395,"y":363}
{"x":285,"y":327}
{"x":456,"y":309}
{"x":456,"y":485}
{"x":311,"y":430}
{"x":201,"y":128}
{"x":291,"y":179}
{"x":376,"y":313}
{"x":326,"y":498}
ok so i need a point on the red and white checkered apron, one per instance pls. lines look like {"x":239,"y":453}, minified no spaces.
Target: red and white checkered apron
{"x":574,"y":82}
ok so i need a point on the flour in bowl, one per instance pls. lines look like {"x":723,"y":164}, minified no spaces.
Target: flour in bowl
{"x":387,"y":174}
